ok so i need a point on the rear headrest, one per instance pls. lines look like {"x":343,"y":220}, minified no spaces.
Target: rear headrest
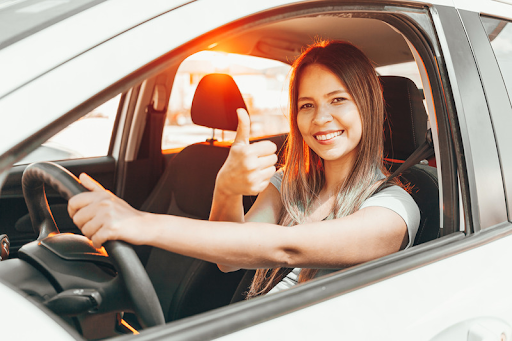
{"x":215,"y":102}
{"x":406,"y":122}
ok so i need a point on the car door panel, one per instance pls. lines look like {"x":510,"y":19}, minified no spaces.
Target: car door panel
{"x":412,"y":295}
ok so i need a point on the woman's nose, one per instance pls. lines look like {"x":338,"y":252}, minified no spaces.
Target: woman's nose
{"x":322,"y":116}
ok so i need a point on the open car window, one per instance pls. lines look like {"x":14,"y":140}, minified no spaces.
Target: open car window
{"x":263,"y":83}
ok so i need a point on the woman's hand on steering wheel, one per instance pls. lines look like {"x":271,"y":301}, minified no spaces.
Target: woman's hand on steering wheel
{"x":249,"y":167}
{"x":102,"y":216}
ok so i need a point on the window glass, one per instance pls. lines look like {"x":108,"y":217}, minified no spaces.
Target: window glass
{"x":500,"y":35}
{"x":407,"y":70}
{"x":262,"y":82}
{"x":88,"y":137}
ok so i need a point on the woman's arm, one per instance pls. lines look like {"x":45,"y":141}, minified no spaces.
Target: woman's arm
{"x":247,"y":171}
{"x":266,"y":209}
{"x":367,"y":234}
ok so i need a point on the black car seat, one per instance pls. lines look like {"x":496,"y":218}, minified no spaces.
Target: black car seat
{"x":404,"y":131}
{"x":187,"y":286}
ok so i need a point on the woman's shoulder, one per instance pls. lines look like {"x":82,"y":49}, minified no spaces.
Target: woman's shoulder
{"x":390,"y":193}
{"x":277,"y":179}
{"x":400,"y":201}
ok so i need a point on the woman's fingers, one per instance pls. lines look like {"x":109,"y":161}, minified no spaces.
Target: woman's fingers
{"x":102,"y":216}
{"x":261,"y":148}
{"x":86,"y":206}
{"x":90,"y":183}
{"x":267,"y":173}
{"x":267,"y":161}
{"x":242,"y":173}
{"x":99,"y":232}
{"x":91,"y":227}
{"x":81,"y":200}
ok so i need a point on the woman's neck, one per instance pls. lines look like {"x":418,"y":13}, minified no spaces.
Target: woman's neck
{"x":336,"y":172}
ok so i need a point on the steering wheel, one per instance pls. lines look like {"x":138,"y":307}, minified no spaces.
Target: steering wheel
{"x":35,"y":177}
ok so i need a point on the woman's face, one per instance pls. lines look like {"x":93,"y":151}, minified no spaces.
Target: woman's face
{"x":327,"y":115}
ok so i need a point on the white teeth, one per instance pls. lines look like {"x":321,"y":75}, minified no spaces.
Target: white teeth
{"x":328,"y":136}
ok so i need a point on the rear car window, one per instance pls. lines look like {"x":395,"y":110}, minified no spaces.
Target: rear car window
{"x":262,"y":82}
{"x":499,"y":32}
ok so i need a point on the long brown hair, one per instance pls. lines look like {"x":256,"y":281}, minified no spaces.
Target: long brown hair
{"x":303,"y":169}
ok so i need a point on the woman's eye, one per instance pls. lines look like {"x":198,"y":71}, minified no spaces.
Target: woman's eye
{"x":305,"y":106}
{"x":339,"y":100}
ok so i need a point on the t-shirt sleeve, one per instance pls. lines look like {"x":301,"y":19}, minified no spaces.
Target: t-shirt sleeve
{"x":398,"y":200}
{"x":277,"y":179}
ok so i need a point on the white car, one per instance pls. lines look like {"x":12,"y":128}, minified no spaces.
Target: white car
{"x":445,"y":66}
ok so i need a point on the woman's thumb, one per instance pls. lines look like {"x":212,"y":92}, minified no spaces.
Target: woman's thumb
{"x":90,"y":183}
{"x":243,"y":131}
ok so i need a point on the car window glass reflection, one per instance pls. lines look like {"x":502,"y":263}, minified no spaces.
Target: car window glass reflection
{"x":500,"y":36}
{"x":87,"y":137}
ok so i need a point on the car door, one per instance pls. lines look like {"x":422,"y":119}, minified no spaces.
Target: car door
{"x":452,"y":288}
{"x":462,"y":295}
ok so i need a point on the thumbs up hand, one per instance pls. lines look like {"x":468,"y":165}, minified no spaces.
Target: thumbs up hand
{"x":248,"y":167}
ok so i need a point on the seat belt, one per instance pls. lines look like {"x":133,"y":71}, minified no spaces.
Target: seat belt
{"x":424,"y":151}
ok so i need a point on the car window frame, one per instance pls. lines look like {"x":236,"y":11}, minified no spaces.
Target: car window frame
{"x":499,"y":98}
{"x":209,"y":324}
{"x":474,"y":159}
{"x":229,"y":319}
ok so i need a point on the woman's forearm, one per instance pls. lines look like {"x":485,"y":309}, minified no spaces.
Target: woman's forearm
{"x":368,"y":234}
{"x":228,"y":244}
{"x":226,"y":207}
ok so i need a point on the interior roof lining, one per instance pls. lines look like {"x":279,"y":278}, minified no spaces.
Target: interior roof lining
{"x":293,"y":34}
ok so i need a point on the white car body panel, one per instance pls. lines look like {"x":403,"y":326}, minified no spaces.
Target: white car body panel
{"x":66,"y":39}
{"x":492,"y":7}
{"x":424,"y":308}
{"x":20,"y":312}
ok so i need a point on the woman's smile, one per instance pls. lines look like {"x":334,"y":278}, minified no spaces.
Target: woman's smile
{"x":327,"y":137}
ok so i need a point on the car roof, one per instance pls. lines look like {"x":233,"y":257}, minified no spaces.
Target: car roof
{"x":21,"y":18}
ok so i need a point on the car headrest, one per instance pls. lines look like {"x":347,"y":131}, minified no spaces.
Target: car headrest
{"x":406,"y":119}
{"x":215,"y":102}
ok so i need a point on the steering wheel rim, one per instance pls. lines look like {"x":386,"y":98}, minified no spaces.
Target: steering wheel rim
{"x":35,"y":177}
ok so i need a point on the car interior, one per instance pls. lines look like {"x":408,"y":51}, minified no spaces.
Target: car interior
{"x":180,"y":181}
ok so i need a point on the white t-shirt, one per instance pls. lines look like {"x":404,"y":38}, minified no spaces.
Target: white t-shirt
{"x":393,"y":197}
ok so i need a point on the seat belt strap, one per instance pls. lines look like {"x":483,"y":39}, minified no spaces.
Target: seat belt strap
{"x":424,"y":151}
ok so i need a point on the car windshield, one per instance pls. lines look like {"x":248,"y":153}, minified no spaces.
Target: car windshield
{"x":22,"y":18}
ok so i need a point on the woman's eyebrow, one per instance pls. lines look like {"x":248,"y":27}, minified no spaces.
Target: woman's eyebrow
{"x":304,"y":99}
{"x":335,"y":92}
